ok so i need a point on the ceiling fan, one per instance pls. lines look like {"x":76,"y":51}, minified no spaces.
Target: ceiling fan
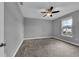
{"x":49,"y":12}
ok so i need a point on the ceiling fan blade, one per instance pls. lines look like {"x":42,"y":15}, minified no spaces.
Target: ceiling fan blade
{"x":55,"y":11}
{"x":45,"y":15}
{"x":51,"y":7}
{"x":43,"y":12}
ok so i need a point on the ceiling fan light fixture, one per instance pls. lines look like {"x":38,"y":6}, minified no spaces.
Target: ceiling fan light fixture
{"x":48,"y":14}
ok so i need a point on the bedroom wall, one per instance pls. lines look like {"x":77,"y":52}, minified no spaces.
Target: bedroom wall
{"x":75,"y":28}
{"x":36,"y":28}
{"x":13,"y":27}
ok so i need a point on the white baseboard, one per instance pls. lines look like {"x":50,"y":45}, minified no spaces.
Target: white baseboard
{"x":17,"y":48}
{"x":53,"y":37}
{"x":66,"y":41}
{"x":38,"y":38}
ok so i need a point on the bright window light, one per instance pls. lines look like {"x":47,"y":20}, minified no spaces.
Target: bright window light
{"x":67,"y":27}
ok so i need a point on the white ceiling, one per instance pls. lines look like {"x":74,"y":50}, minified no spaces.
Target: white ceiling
{"x":33,"y":9}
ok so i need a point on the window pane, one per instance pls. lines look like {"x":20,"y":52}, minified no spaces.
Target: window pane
{"x":67,"y":22}
{"x":67,"y":27}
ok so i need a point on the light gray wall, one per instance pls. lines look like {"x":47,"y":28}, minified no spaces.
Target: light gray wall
{"x":1,"y":28}
{"x":35,"y":28}
{"x":13,"y":27}
{"x":75,"y":27}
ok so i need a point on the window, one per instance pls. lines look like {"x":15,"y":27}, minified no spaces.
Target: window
{"x":67,"y":27}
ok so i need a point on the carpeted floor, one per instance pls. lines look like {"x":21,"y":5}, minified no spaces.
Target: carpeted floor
{"x":47,"y":48}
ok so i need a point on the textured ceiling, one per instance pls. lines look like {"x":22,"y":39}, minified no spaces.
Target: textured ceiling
{"x":33,"y":9}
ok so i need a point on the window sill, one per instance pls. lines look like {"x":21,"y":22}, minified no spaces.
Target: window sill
{"x":66,"y":35}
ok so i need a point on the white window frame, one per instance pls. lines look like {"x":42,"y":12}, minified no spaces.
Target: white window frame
{"x":62,"y":29}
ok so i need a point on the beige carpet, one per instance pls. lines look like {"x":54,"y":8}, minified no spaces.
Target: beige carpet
{"x":47,"y":48}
